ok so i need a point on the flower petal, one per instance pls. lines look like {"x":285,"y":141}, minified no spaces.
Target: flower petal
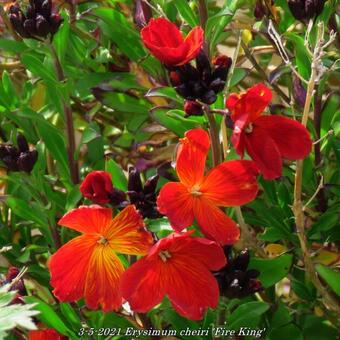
{"x":231,"y":183}
{"x":251,"y":103}
{"x":143,"y":284}
{"x":194,"y":43}
{"x":102,"y":279}
{"x":214,"y":223}
{"x":191,"y":156}
{"x":191,"y":288}
{"x":87,"y":219}
{"x":176,"y":203}
{"x":69,"y":267}
{"x":291,"y":137}
{"x":264,"y":152}
{"x":45,"y":334}
{"x":126,"y":233}
{"x":207,"y":252}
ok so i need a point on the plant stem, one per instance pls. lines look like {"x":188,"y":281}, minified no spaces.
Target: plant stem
{"x":71,"y":147}
{"x":327,"y":298}
{"x":322,"y":202}
{"x":215,"y":140}
{"x":203,"y":14}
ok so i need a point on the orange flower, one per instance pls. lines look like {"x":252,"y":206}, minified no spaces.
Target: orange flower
{"x":88,"y":266}
{"x":178,"y":266}
{"x":231,"y":183}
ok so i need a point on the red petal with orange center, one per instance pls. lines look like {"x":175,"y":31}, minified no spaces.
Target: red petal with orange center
{"x":102,"y":280}
{"x":214,"y":223}
{"x":175,"y":201}
{"x":231,"y":183}
{"x":183,"y":276}
{"x":87,"y":219}
{"x":126,"y":233}
{"x":69,"y":267}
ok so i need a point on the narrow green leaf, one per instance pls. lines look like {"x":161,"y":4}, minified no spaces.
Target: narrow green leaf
{"x":330,"y":276}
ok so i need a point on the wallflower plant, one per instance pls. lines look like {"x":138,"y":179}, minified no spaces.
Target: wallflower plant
{"x":169,"y":166}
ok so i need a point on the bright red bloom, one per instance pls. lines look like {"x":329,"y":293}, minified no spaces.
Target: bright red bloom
{"x":97,"y":186}
{"x":267,"y":139}
{"x":198,"y":197}
{"x":88,"y":266}
{"x":45,"y":334}
{"x":165,"y":42}
{"x":177,"y":266}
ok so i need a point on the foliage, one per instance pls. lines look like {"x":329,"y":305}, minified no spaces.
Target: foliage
{"x":97,"y":75}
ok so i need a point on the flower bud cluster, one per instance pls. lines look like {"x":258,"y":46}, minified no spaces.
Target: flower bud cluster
{"x":39,"y":21}
{"x":235,"y":280}
{"x":19,"y":158}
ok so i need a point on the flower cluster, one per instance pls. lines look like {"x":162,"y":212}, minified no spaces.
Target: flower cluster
{"x":201,"y":82}
{"x":38,"y":22}
{"x":19,"y":158}
{"x":190,"y":270}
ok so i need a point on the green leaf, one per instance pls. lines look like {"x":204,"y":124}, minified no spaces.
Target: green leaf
{"x":244,"y":314}
{"x":167,"y":92}
{"x":271,"y":270}
{"x":12,"y":46}
{"x":186,"y":12}
{"x":302,"y":57}
{"x":290,"y":331}
{"x":118,"y":178}
{"x":48,"y":316}
{"x":61,"y":38}
{"x":238,"y":75}
{"x":35,"y":65}
{"x":174,"y":120}
{"x":70,"y":315}
{"x":330,"y":276}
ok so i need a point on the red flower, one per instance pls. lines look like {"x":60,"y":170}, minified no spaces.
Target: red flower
{"x":45,"y":334}
{"x":97,"y":186}
{"x":165,"y":42}
{"x":267,"y":139}
{"x":177,"y":266}
{"x":198,"y":197}
{"x":88,"y":266}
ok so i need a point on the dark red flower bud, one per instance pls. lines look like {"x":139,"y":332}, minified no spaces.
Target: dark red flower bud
{"x":22,"y":143}
{"x":192,"y":108}
{"x":117,"y":197}
{"x":26,"y":160}
{"x":151,"y":185}
{"x":175,"y":78}
{"x":17,"y":24}
{"x":30,"y":27}
{"x":42,"y":26}
{"x":222,"y":61}
{"x":46,"y":9}
{"x":97,"y":186}
{"x":30,"y":13}
{"x":142,"y":14}
{"x":12,"y":273}
{"x":55,"y":22}
{"x":306,"y":9}
{"x":19,"y":286}
{"x":134,"y":180}
{"x":299,"y":92}
{"x":209,"y":97}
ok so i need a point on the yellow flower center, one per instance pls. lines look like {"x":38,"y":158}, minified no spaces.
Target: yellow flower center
{"x":249,"y":128}
{"x":103,"y":240}
{"x":164,"y":255}
{"x":195,"y":191}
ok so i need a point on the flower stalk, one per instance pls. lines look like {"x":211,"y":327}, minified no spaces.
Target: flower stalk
{"x":71,"y":147}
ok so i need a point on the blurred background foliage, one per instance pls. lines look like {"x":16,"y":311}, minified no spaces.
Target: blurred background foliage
{"x":126,"y":113}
